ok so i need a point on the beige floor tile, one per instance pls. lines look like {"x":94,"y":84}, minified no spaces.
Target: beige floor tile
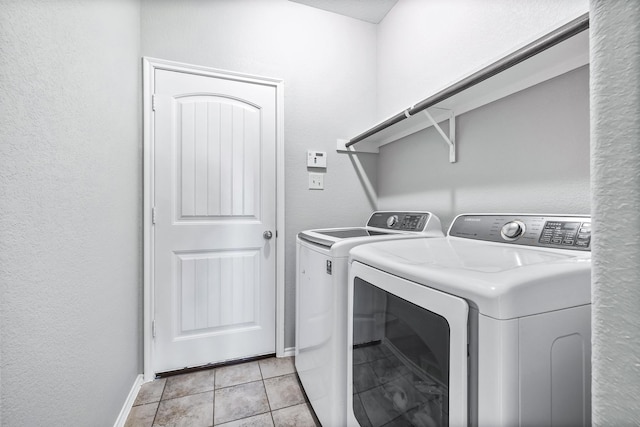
{"x":186,"y":384}
{"x":240,"y":401}
{"x":262,"y":420}
{"x":283,"y":391}
{"x":231,"y":396}
{"x":294,"y":416}
{"x":150,"y":392}
{"x":276,"y":366}
{"x":142,"y":415}
{"x":189,"y":411}
{"x":237,"y":374}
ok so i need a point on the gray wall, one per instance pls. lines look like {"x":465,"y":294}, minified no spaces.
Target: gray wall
{"x":615,"y":173}
{"x":528,"y":152}
{"x":70,"y":181}
{"x":327,"y":62}
{"x":70,"y":245}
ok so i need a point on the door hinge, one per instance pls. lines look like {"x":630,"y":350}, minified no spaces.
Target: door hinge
{"x":153,"y":215}
{"x":153,"y":102}
{"x":153,"y":328}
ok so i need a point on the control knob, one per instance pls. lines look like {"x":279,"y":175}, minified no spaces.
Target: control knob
{"x":392,"y":220}
{"x":512,"y":230}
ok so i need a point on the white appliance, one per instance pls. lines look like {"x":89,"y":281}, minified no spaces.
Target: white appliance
{"x":489,"y":326}
{"x":321,"y":309}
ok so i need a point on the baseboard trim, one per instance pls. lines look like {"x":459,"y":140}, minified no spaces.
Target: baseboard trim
{"x":128,"y":404}
{"x":291,"y":351}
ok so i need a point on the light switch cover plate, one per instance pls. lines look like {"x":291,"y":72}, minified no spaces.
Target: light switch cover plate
{"x":316,"y":181}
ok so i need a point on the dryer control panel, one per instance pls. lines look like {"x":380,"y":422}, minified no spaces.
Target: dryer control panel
{"x":552,"y":231}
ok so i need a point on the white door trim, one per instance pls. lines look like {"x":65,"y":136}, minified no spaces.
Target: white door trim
{"x":149,"y":66}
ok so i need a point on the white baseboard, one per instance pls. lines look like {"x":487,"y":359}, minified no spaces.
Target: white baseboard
{"x":291,"y":351}
{"x":128,"y":404}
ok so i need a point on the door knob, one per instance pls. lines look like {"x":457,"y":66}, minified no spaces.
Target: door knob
{"x":267,"y":235}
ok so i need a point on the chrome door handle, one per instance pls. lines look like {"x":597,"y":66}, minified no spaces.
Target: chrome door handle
{"x":267,"y":235}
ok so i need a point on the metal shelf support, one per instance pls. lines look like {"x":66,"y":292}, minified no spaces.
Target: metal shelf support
{"x":451,"y":138}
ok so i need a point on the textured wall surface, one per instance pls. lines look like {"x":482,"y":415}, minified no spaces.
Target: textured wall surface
{"x":424,"y":46}
{"x":327,"y":62}
{"x":70,"y":181}
{"x":528,"y":152}
{"x":70,"y":196}
{"x":615,"y":168}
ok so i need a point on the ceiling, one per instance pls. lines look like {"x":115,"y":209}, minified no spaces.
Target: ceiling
{"x":366,"y":10}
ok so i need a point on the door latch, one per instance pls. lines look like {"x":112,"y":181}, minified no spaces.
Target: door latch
{"x":329,"y":268}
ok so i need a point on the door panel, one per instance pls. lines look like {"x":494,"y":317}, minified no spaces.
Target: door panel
{"x":215,"y":195}
{"x":219,"y":172}
{"x":205,"y":300}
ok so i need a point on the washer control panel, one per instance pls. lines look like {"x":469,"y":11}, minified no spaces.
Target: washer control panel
{"x":401,"y":221}
{"x":512,"y":230}
{"x":553,"y":231}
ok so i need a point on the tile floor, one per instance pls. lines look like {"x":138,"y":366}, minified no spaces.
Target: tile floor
{"x":265,"y":392}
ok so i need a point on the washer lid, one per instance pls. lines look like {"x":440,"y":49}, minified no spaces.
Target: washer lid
{"x":382,"y":225}
{"x":503,"y":281}
{"x":330,"y":236}
{"x":325,"y":240}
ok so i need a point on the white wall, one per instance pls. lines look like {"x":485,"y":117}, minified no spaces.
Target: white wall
{"x":424,"y":46}
{"x":528,"y":152}
{"x":327,"y":62}
{"x":615,"y":169}
{"x":70,"y":232}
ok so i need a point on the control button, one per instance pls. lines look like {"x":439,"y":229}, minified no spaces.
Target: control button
{"x":392,"y":220}
{"x":585,"y":229}
{"x":512,"y":230}
{"x":584,"y":235}
{"x":582,"y":243}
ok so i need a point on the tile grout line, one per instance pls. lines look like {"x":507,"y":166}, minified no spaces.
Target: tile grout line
{"x":158,"y":407}
{"x":266,"y":394}
{"x":213,"y":403}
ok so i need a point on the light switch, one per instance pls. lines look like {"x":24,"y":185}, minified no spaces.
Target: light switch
{"x":316,"y":159}
{"x":316,"y":181}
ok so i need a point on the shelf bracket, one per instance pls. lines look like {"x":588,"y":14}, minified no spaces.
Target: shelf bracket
{"x":451,"y":138}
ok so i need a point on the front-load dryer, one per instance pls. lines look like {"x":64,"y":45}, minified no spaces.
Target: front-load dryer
{"x":488,"y":326}
{"x":321,"y":302}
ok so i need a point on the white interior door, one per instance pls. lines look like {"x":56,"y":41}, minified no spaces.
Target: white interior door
{"x":214,"y":197}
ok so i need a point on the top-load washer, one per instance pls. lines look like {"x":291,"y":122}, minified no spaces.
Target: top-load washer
{"x":321,"y":293}
{"x":489,"y":326}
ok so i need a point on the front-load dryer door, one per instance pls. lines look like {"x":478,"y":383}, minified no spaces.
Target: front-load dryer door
{"x":407,"y":356}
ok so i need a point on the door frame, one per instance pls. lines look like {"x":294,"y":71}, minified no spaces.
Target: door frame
{"x":149,"y":65}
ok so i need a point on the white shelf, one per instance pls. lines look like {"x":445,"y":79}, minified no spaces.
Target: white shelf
{"x":554,"y":61}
